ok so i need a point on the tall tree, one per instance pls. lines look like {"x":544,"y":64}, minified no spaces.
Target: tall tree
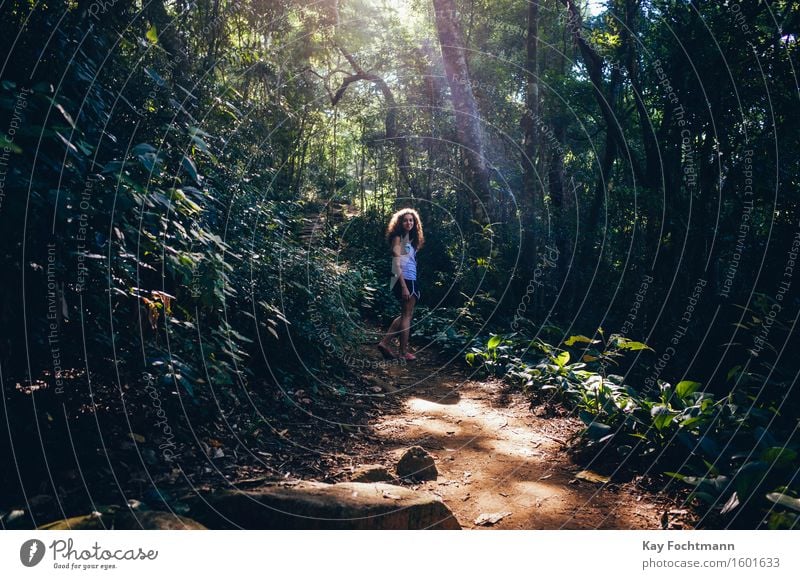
{"x":467,"y":117}
{"x":395,"y":138}
{"x":529,"y":200}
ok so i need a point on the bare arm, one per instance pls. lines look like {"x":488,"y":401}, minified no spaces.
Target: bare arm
{"x":397,"y":264}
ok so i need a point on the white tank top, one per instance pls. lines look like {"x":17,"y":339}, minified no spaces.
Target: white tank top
{"x":409,"y":260}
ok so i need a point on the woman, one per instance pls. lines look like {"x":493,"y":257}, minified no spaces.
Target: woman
{"x":405,"y":237}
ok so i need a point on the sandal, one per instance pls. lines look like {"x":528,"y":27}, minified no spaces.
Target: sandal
{"x":408,"y":356}
{"x":387,"y":353}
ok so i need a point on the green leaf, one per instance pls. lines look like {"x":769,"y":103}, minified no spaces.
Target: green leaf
{"x":784,"y":500}
{"x":201,"y":144}
{"x":707,"y":498}
{"x":685,"y":388}
{"x":598,"y":430}
{"x":42,"y":87}
{"x":191,"y":168}
{"x":633,"y":346}
{"x":662,"y":416}
{"x":493,"y":342}
{"x":749,"y":477}
{"x":730,"y":504}
{"x":689,"y":422}
{"x":155,"y":76}
{"x":64,"y":113}
{"x":583,"y":339}
{"x":143,"y":148}
{"x":733,"y":371}
{"x":709,"y":445}
{"x":586,"y":417}
{"x":779,"y":456}
{"x":69,"y":145}
{"x":562,"y":359}
{"x":195,"y":131}
{"x":5,"y":143}
{"x":152,"y":35}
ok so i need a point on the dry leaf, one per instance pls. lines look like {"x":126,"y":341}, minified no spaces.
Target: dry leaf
{"x":488,"y":519}
{"x":152,"y":310}
{"x":590,"y":476}
{"x":165,"y":299}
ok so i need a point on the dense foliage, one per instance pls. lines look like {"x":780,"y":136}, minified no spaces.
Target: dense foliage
{"x":194,"y":195}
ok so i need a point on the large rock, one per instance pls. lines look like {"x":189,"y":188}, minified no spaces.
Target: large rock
{"x":154,"y":520}
{"x":311,"y":505}
{"x":124,"y":520}
{"x":92,"y":522}
{"x":417,"y":464}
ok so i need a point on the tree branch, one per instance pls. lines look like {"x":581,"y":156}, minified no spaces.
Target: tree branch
{"x":594,"y":66}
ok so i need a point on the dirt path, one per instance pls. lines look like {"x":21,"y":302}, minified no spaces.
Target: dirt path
{"x":494,"y":456}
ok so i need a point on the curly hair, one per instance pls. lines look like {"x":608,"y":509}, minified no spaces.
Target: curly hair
{"x":395,"y":227}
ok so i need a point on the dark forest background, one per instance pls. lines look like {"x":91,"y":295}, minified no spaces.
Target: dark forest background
{"x":193,"y":197}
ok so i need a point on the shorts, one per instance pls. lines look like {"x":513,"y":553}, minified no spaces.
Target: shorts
{"x":413,"y":288}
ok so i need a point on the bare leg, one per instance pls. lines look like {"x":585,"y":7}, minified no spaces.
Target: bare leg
{"x":405,"y":323}
{"x":392,"y":332}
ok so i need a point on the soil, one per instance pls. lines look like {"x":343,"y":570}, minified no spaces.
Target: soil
{"x":496,"y":458}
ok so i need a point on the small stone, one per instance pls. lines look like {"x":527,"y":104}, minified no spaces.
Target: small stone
{"x":417,"y":464}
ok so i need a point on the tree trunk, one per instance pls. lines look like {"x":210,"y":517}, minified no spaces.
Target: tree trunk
{"x":394,"y":139}
{"x":594,"y":221}
{"x":468,"y":129}
{"x":166,"y":29}
{"x":594,"y":67}
{"x":529,"y":203}
{"x":652,"y":173}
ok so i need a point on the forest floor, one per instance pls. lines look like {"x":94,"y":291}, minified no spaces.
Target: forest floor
{"x":495,"y":456}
